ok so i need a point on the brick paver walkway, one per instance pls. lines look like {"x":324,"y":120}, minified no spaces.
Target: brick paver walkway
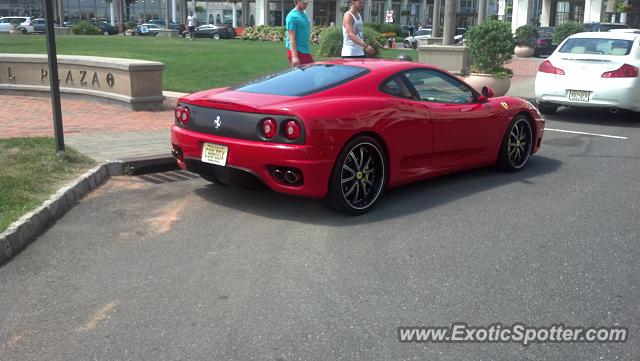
{"x":103,"y":131}
{"x":27,"y":116}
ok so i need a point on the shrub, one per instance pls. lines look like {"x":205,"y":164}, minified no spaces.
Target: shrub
{"x":564,"y":30}
{"x":526,"y":35}
{"x":264,"y":33}
{"x":316,"y":33}
{"x":85,"y":28}
{"x":276,"y":33}
{"x":331,"y":41}
{"x":491,"y":47}
{"x":385,"y":28}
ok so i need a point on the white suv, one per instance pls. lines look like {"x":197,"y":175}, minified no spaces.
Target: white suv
{"x":26,"y":25}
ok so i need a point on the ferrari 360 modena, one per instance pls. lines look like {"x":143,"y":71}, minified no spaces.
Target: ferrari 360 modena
{"x":347,"y":130}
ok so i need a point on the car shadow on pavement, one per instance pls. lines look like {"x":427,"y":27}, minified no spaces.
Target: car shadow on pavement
{"x":597,"y":117}
{"x":397,"y":202}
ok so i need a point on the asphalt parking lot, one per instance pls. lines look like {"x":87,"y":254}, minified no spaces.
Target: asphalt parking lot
{"x":187,"y":270}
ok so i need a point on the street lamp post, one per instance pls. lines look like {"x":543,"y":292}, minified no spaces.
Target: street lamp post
{"x":53,"y":80}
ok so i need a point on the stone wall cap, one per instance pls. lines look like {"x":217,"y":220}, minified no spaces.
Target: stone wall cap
{"x":98,"y":61}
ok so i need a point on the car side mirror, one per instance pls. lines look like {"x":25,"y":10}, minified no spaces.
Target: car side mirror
{"x":487,"y":92}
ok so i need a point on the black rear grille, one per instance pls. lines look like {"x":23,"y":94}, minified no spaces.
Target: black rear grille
{"x":237,"y":125}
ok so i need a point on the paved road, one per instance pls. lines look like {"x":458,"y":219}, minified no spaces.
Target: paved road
{"x":190,"y":271}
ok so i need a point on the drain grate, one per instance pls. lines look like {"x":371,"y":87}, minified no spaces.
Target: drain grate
{"x":168,"y":177}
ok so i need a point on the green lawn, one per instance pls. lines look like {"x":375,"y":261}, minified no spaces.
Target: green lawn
{"x":190,"y":66}
{"x":31,"y":172}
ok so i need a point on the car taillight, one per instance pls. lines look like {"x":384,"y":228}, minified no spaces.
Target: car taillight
{"x":547,"y":67}
{"x":292,"y":129}
{"x":182,"y":114}
{"x":269,"y":128}
{"x":625,"y":71}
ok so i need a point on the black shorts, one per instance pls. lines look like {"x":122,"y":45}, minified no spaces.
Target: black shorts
{"x":192,"y":29}
{"x":354,"y":57}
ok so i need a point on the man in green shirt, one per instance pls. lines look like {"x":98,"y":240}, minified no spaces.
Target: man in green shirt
{"x":298,"y":35}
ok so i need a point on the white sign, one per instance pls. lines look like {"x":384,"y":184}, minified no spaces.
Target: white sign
{"x":502,"y":4}
{"x":389,"y":17}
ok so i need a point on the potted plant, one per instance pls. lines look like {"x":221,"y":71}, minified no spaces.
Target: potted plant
{"x":525,"y":38}
{"x":491,"y":48}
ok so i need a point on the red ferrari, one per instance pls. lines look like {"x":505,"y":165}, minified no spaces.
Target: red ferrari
{"x":346,"y":130}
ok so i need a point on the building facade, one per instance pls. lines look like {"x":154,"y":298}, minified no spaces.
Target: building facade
{"x":327,"y":12}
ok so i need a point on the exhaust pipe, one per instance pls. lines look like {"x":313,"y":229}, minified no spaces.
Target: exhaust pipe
{"x":278,"y":175}
{"x":177,"y":153}
{"x":291,"y":177}
{"x":613,"y":110}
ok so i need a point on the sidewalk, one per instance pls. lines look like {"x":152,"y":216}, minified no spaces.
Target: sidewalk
{"x":524,"y":75}
{"x":108,"y":131}
{"x":101,"y":130}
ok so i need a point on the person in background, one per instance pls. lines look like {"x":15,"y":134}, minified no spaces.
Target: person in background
{"x":353,"y":45}
{"x":191,"y":24}
{"x":298,"y":35}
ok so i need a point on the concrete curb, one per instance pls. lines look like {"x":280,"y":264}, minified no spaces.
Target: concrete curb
{"x":25,"y":230}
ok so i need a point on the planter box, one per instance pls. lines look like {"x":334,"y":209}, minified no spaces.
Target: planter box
{"x":453,"y":58}
{"x":61,"y":30}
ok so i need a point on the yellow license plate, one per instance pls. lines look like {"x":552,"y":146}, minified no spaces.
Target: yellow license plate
{"x":215,"y":153}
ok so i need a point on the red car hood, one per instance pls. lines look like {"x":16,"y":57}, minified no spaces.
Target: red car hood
{"x":225,"y":98}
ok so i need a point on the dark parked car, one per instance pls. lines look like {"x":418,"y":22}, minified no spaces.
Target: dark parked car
{"x":106,"y":28}
{"x":604,"y":26}
{"x":214,"y":32}
{"x":543,"y":43}
{"x":38,"y":25}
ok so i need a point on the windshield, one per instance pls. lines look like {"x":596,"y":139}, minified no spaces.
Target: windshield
{"x":304,"y":80}
{"x":597,"y":46}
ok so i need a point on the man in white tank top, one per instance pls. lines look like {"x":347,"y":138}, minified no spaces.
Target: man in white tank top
{"x":353,"y":45}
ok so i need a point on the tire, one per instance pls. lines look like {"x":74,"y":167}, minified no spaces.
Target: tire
{"x":517,"y":143}
{"x":216,"y":36}
{"x":362,"y":164}
{"x":24,"y":31}
{"x":407,"y":44}
{"x":547,"y":108}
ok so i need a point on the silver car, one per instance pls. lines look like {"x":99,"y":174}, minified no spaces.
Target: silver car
{"x":412,"y":41}
{"x":591,"y":70}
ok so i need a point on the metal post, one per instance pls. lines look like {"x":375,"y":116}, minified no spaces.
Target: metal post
{"x":53,"y":79}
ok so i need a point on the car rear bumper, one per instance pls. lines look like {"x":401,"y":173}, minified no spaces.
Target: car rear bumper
{"x":622,"y":93}
{"x":314,"y":162}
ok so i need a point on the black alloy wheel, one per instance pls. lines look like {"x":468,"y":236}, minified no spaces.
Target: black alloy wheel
{"x":516,"y":145}
{"x":359,"y":176}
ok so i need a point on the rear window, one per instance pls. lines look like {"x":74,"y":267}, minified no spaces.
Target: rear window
{"x":304,"y":80}
{"x":597,"y":46}
{"x":607,"y":27}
